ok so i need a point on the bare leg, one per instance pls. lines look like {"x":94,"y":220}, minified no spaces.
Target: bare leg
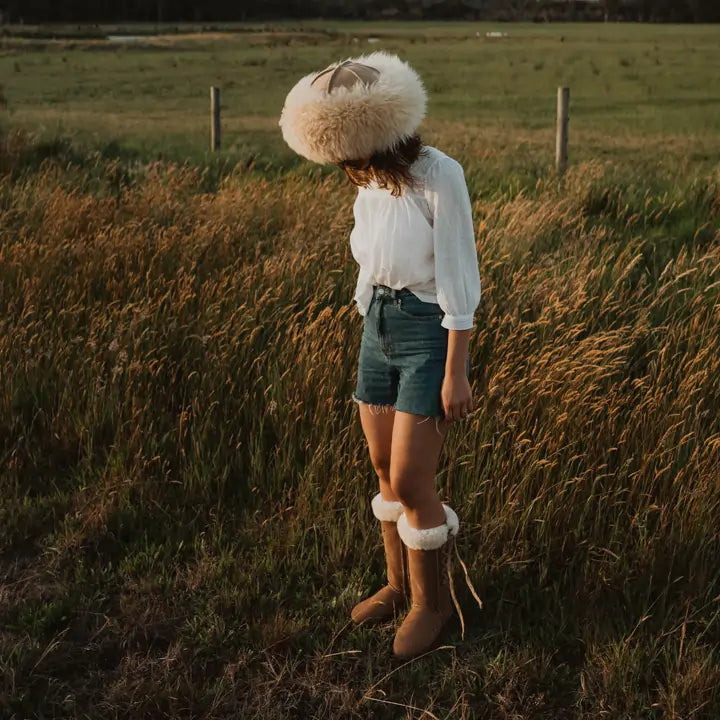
{"x":377,"y":424}
{"x":416,"y":444}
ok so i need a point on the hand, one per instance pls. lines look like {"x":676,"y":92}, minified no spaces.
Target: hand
{"x":456,"y":397}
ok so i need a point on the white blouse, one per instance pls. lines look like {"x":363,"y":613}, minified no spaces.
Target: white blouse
{"x":423,"y":240}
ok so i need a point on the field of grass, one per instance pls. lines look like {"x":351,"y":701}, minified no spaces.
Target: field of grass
{"x":184,"y":484}
{"x":626,"y":81}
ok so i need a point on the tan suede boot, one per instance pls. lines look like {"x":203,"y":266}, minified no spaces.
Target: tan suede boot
{"x":428,"y":553}
{"x":392,"y":598}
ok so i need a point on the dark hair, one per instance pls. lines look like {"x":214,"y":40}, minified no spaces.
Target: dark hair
{"x":390,"y":168}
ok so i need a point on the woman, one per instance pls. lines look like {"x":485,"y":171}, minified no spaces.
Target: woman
{"x":418,"y":288}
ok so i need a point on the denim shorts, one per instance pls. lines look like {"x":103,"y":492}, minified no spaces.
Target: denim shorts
{"x":402,"y":353}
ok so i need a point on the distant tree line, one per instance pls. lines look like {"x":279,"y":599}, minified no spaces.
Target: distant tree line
{"x":118,"y":11}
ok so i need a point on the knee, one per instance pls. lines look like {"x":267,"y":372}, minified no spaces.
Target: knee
{"x":406,"y":488}
{"x":381,"y":463}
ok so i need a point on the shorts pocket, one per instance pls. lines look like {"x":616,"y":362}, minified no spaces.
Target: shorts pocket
{"x":411,"y":306}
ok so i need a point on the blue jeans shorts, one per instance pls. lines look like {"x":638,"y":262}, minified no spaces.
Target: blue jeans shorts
{"x":402,"y":353}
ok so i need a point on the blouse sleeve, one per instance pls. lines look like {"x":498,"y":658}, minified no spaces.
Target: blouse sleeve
{"x":364,"y":284}
{"x":457,"y":276}
{"x":363,"y":291}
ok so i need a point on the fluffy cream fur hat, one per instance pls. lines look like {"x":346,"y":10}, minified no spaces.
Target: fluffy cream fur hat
{"x":353,"y":120}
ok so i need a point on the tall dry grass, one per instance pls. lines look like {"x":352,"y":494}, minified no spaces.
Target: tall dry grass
{"x":185,"y":518}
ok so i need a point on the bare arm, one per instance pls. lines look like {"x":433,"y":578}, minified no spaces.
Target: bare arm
{"x":458,"y":344}
{"x":456,"y":393}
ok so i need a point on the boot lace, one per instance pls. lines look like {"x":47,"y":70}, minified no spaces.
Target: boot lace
{"x":448,"y":566}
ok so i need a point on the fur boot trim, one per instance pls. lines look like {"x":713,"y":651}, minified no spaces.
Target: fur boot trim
{"x":387,"y":510}
{"x":354,"y":123}
{"x":428,"y":538}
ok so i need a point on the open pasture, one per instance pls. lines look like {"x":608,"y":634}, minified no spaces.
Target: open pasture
{"x":628,"y":83}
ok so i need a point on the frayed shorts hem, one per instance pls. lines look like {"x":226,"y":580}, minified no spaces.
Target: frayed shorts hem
{"x":387,"y":407}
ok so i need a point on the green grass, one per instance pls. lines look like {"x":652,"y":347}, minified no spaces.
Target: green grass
{"x":647,"y":82}
{"x":185,"y":519}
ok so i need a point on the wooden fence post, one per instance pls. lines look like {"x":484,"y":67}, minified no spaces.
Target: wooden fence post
{"x":561,"y":137}
{"x":214,"y":118}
